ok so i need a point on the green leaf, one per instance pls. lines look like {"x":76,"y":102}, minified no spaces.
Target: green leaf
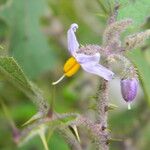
{"x":14,"y":74}
{"x":27,"y":42}
{"x":10,"y":68}
{"x":137,"y":10}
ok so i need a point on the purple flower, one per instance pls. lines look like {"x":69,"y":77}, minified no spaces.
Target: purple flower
{"x":89,"y":63}
{"x":129,"y":90}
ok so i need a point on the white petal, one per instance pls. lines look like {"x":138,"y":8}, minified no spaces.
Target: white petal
{"x":88,"y":59}
{"x":98,"y":70}
{"x":73,"y":44}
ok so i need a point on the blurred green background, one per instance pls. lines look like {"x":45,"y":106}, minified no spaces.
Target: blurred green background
{"x":34,"y":33}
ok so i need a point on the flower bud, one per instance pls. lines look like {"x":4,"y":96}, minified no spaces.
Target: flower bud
{"x":129,"y":89}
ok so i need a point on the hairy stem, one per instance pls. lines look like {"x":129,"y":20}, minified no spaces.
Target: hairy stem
{"x":21,"y":136}
{"x":102,"y":115}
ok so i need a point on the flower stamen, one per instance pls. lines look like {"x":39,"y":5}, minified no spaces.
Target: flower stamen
{"x":70,"y":68}
{"x":60,"y":79}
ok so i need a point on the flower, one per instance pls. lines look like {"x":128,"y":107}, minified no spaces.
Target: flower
{"x":89,"y":63}
{"x":129,"y":89}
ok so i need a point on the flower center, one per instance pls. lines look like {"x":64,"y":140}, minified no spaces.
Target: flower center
{"x":71,"y":67}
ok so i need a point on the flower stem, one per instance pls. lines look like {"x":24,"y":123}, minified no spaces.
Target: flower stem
{"x":102,"y":115}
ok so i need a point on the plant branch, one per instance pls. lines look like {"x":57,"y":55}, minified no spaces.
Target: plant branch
{"x":102,"y":115}
{"x":32,"y":129}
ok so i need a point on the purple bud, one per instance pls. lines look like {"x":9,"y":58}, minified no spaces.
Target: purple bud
{"x":129,"y":89}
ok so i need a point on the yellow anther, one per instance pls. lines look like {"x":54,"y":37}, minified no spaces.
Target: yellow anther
{"x":69,"y":64}
{"x":71,"y":67}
